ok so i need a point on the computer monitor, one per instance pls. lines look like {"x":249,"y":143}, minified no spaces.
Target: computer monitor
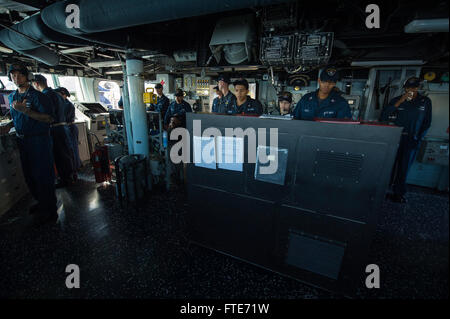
{"x":4,"y":103}
{"x":116,"y":117}
{"x":95,"y":108}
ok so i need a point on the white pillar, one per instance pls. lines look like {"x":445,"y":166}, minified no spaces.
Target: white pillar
{"x":135,"y":67}
{"x":127,"y":113}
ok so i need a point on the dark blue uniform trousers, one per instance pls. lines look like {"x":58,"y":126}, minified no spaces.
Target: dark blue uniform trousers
{"x":74,"y":139}
{"x":62,"y":152}
{"x":36,"y":156}
{"x":405,"y":157}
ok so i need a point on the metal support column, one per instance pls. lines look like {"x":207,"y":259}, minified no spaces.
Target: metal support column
{"x":135,"y":67}
{"x":127,"y":112}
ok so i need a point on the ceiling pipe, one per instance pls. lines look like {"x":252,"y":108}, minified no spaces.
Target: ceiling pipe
{"x":45,"y":53}
{"x":100,"y":16}
{"x":31,"y":38}
{"x":427,"y":26}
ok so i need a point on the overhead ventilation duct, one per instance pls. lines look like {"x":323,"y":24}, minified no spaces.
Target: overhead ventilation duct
{"x":35,"y":28}
{"x":98,"y":16}
{"x":16,"y":6}
{"x":43,"y":55}
{"x":427,"y":26}
{"x":101,"y":16}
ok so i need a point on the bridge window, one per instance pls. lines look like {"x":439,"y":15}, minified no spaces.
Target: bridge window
{"x":8,"y":85}
{"x":109,"y":94}
{"x":72,"y":84}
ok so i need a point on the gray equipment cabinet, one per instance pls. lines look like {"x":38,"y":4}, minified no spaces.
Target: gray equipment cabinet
{"x":314,"y":219}
{"x":12,"y":182}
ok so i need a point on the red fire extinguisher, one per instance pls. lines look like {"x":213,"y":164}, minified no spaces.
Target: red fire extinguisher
{"x":100,"y":162}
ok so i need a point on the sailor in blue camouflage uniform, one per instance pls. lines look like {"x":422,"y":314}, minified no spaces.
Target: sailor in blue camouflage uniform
{"x":162,"y":103}
{"x":325,"y":102}
{"x":412,"y":111}
{"x":216,"y":101}
{"x":227,"y":103}
{"x":245,"y":104}
{"x":73,"y":129}
{"x":32,"y":114}
{"x":62,"y":146}
{"x":177,"y":111}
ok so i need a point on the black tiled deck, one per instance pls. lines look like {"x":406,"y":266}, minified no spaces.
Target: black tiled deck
{"x":146,"y":254}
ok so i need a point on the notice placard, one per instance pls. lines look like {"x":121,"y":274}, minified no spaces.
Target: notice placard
{"x":205,"y":152}
{"x":230,"y":153}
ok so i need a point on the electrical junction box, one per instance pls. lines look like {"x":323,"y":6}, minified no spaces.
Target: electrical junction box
{"x":313,"y":49}
{"x":434,"y":152}
{"x":203,"y":86}
{"x":189,"y":82}
{"x":277,"y":50}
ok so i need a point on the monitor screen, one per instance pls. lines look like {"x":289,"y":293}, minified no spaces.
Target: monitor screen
{"x":4,"y":103}
{"x":116,"y":117}
{"x":95,"y":108}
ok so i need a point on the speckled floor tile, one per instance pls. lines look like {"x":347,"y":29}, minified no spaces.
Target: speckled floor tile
{"x":144,"y":253}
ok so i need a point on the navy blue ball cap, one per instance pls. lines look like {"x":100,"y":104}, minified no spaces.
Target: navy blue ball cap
{"x":225,"y":78}
{"x":412,"y":82}
{"x":285,"y":96}
{"x":63,"y":90}
{"x":18,"y":67}
{"x":158,"y":86}
{"x":329,"y":74}
{"x":179,"y":92}
{"x":39,"y":78}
